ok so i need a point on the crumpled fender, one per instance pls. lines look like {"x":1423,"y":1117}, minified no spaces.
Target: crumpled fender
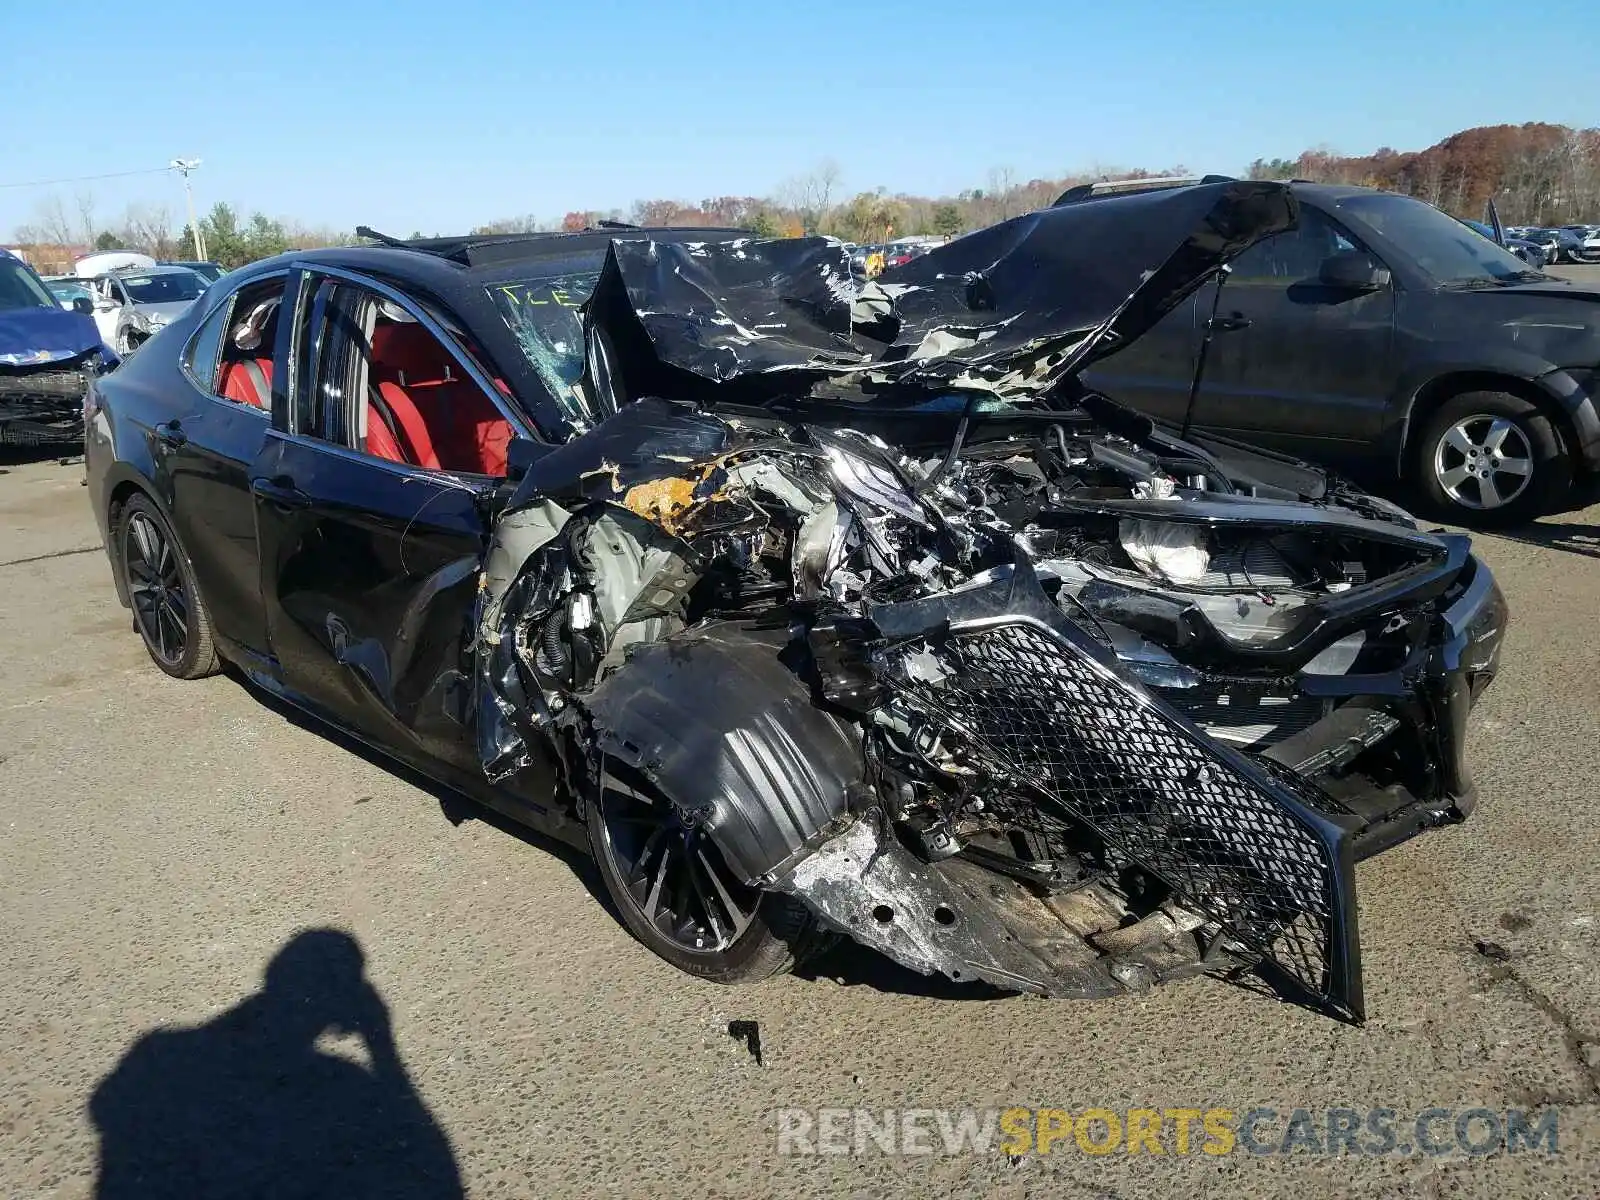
{"x":726,"y":730}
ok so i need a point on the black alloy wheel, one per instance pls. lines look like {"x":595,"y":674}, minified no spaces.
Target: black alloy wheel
{"x":676,"y":893}
{"x":167,"y":609}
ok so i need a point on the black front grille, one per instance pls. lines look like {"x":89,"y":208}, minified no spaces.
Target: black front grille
{"x":1233,"y":843}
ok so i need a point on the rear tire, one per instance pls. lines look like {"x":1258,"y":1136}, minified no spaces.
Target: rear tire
{"x":638,"y":843}
{"x":169,"y":614}
{"x":1489,"y":459}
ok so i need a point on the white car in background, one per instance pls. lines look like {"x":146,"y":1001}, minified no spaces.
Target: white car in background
{"x":136,"y":302}
{"x":106,"y":313}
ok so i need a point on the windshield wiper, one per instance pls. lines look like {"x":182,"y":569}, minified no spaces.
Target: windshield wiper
{"x":1487,"y":281}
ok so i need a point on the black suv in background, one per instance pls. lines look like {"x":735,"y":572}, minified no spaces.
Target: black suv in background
{"x":1382,"y":333}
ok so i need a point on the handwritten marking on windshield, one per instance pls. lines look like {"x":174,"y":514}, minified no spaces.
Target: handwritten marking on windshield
{"x":521,"y":293}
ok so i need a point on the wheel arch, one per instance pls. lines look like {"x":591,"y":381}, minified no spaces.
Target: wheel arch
{"x":718,"y":721}
{"x":1440,"y":389}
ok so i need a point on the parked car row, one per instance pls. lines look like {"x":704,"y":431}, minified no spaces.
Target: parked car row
{"x":1532,"y":253}
{"x":1567,"y":244}
{"x":58,"y":334}
{"x":872,"y":260}
{"x":131,"y":294}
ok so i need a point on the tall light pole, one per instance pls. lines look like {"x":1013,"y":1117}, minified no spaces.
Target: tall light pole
{"x":183,"y":166}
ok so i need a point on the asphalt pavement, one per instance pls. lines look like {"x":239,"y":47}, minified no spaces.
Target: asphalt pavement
{"x":162,"y":843}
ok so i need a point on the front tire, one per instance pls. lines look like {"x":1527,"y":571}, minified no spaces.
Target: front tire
{"x":1490,"y":458}
{"x":169,"y":613}
{"x":675,"y":893}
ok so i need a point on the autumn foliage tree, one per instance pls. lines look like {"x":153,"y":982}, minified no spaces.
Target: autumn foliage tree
{"x":1537,"y":174}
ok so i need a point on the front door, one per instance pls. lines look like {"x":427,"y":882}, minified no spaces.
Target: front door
{"x":371,"y":507}
{"x":1153,"y":374}
{"x":1294,"y":364}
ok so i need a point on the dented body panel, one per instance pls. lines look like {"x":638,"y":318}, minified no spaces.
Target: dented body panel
{"x":370,"y":583}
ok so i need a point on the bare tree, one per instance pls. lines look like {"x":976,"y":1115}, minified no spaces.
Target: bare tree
{"x":86,"y":224}
{"x":810,"y":196}
{"x":51,"y":222}
{"x":148,"y":227}
{"x":524,"y":224}
{"x":1003,"y":191}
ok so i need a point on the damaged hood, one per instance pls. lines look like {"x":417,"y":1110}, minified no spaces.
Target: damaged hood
{"x":1013,"y":309}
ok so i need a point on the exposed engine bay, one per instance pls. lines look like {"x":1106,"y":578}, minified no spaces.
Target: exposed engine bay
{"x":1002,"y":681}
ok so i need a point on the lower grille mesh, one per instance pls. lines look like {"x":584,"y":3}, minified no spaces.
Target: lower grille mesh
{"x":1245,"y":717}
{"x":1046,"y":715}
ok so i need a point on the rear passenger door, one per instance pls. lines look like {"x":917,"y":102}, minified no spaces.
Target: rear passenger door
{"x":372,"y":501}
{"x":209,"y":447}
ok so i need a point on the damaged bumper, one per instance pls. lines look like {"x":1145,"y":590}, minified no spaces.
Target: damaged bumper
{"x":1256,"y":859}
{"x":42,"y":408}
{"x":1412,"y":721}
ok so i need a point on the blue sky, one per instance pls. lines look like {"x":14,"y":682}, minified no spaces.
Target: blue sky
{"x":417,"y":114}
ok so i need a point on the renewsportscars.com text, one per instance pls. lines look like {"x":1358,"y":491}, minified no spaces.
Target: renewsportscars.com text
{"x":1167,"y":1131}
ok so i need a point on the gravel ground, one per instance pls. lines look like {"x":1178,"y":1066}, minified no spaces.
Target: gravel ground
{"x":163,"y":842}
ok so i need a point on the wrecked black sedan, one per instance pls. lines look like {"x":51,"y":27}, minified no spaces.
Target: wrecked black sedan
{"x":814,"y":606}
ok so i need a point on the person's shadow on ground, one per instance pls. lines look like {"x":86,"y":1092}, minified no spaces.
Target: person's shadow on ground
{"x":249,"y":1105}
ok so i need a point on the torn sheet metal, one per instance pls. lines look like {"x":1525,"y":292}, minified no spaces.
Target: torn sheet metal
{"x":719,"y":310}
{"x":1011,"y":309}
{"x":508,"y":709}
{"x":948,"y":918}
{"x":648,"y":440}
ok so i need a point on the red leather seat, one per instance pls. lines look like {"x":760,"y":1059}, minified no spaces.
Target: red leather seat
{"x":380,"y":442}
{"x":459,"y":426}
{"x":405,"y":429}
{"x":238,"y":382}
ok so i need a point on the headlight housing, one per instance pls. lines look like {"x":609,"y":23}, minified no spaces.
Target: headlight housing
{"x":873,"y":485}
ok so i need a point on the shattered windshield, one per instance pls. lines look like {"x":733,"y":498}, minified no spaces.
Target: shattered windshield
{"x":544,"y":315}
{"x":1446,"y":249}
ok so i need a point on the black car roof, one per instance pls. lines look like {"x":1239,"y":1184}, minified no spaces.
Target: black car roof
{"x":1330,"y":193}
{"x":447,"y":265}
{"x":457,"y":272}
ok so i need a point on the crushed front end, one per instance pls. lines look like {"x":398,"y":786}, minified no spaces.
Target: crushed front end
{"x":1178,"y":715}
{"x":988,"y":673}
{"x":41,"y":403}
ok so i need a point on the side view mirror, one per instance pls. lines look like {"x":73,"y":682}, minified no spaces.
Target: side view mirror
{"x":1352,"y":271}
{"x":104,"y":305}
{"x":84,"y":305}
{"x":521,"y":454}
